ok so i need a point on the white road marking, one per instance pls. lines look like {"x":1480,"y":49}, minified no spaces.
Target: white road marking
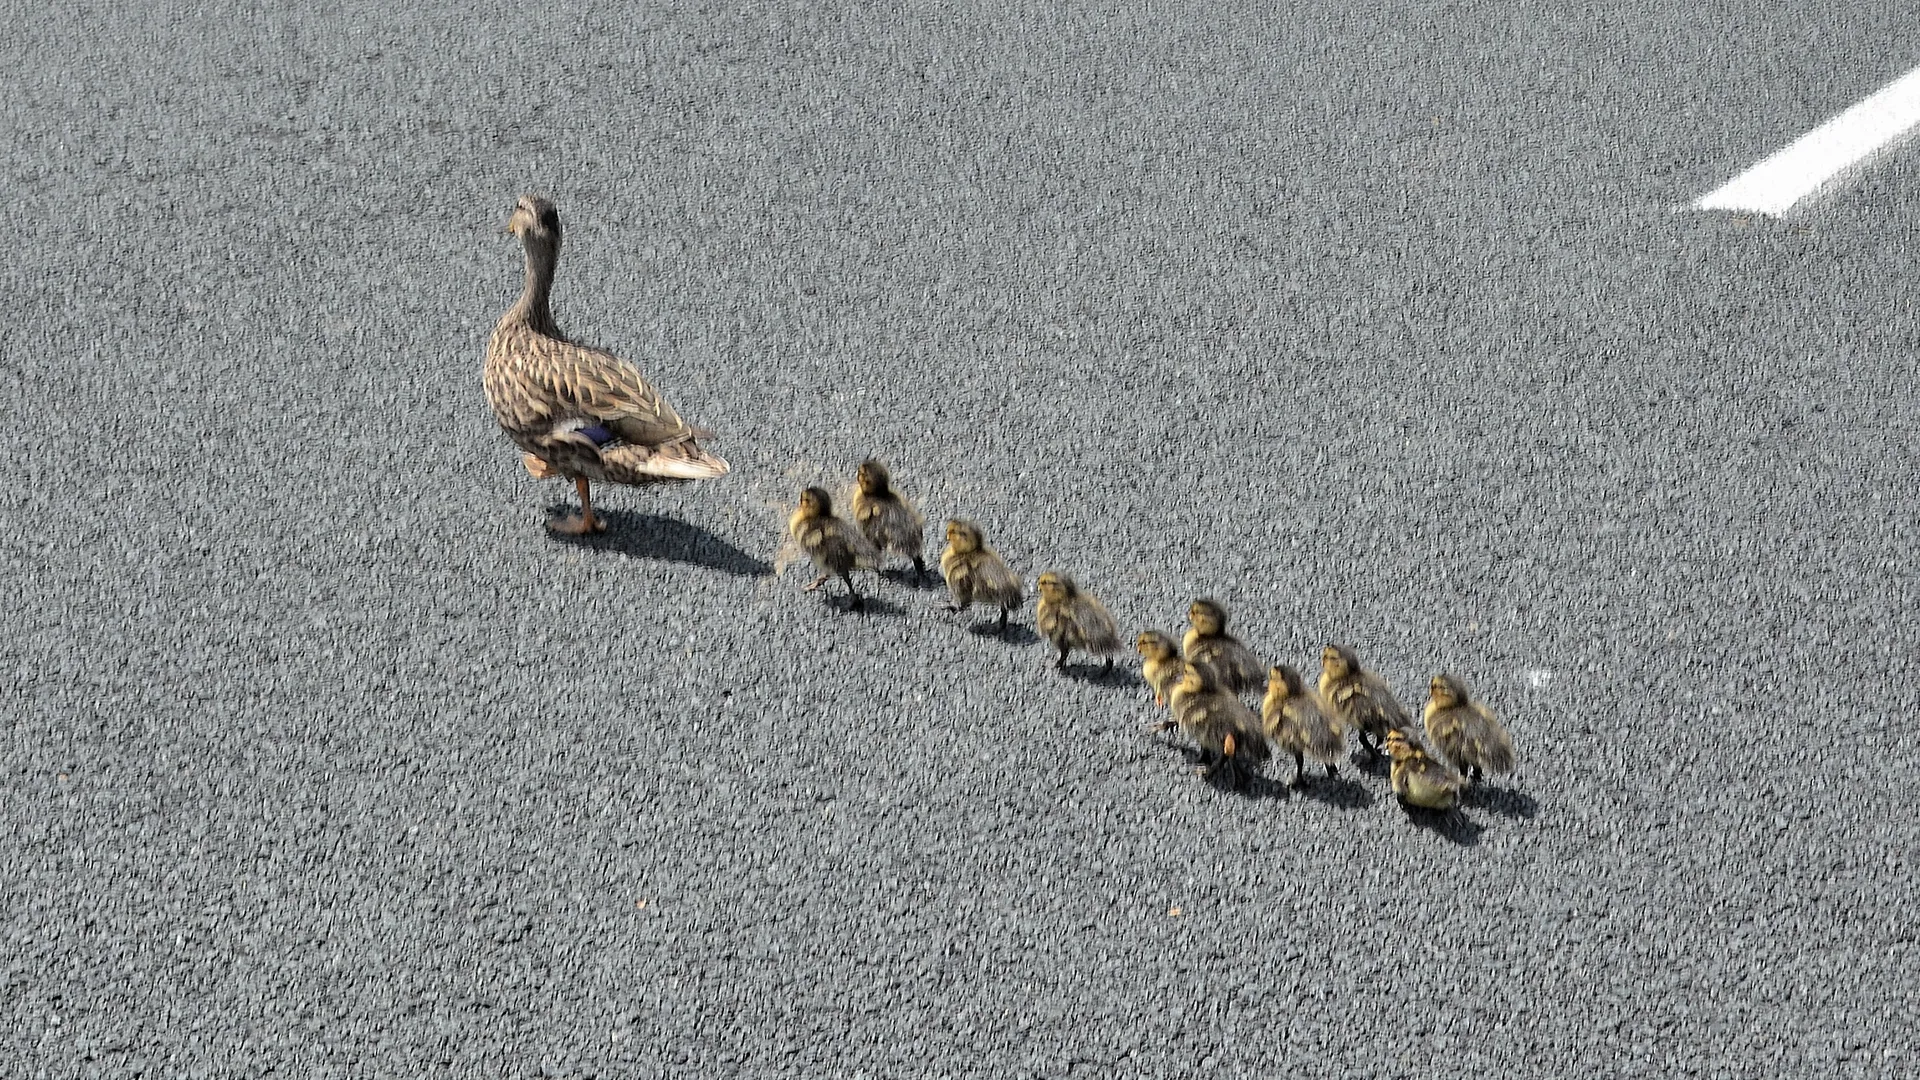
{"x":1538,"y":678}
{"x":1792,"y":174}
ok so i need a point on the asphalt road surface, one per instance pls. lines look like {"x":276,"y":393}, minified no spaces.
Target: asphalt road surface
{"x":1384,"y":324}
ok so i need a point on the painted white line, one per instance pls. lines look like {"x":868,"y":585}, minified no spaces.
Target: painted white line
{"x":1775,"y":184}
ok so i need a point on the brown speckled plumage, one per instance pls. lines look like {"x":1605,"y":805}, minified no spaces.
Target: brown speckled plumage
{"x":1361,"y":699}
{"x":974,"y":572}
{"x":1208,"y":642}
{"x":580,"y":412}
{"x":1160,"y":662}
{"x":1074,"y":620}
{"x":887,"y":517}
{"x":1418,"y":780}
{"x":834,"y":545}
{"x":1219,"y":723}
{"x":1299,"y":723}
{"x":1472,"y":738}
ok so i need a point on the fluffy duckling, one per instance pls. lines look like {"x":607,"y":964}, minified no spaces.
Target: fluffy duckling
{"x":1299,"y":723}
{"x":1360,"y":699}
{"x":889,"y":520}
{"x":1218,"y":722}
{"x":1472,"y":738}
{"x":834,"y":545}
{"x":1208,"y":642}
{"x":1073,"y":619}
{"x":974,"y":572}
{"x":1160,"y":662}
{"x":1419,"y":780}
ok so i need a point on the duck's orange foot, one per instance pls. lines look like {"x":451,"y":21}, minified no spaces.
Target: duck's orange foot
{"x":538,"y":466}
{"x":575,"y":525}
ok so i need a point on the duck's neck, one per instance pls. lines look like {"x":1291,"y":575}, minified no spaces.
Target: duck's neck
{"x":531,"y":308}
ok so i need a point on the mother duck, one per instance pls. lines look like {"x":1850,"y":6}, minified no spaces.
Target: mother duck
{"x":579,"y":412}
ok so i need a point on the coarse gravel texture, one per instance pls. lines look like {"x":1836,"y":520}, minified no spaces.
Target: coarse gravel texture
{"x":1383,"y":323}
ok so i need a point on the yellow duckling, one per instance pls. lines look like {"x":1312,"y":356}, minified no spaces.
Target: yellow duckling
{"x":974,"y":572}
{"x":889,"y":520}
{"x":1073,"y":619}
{"x":1160,"y":662}
{"x":1472,"y":738}
{"x":834,"y":545}
{"x":1218,"y":722}
{"x":1298,"y":722}
{"x":1208,"y":642}
{"x":1360,"y":699}
{"x":1419,"y":780}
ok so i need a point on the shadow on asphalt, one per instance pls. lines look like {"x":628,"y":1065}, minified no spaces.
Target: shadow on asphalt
{"x":907,"y":579}
{"x":1097,"y":674}
{"x":1335,"y":791}
{"x":1449,"y":825}
{"x":650,"y":536}
{"x":1015,"y":634}
{"x":1501,"y":801}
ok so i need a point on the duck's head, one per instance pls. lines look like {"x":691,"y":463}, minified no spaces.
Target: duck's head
{"x":534,"y":218}
{"x":1208,"y":617}
{"x":1338,"y":661}
{"x":1399,"y":747}
{"x":1056,"y":587}
{"x":873,"y":477}
{"x":1199,"y":679}
{"x":1446,"y":691}
{"x":1155,"y":645}
{"x":964,"y":536}
{"x":1285,"y":679}
{"x":815,"y":502}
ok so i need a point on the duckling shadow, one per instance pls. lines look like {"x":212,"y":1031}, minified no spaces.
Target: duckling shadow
{"x":1099,"y":675}
{"x":1242,"y":782}
{"x":1337,"y":791}
{"x":1370,"y":766}
{"x":1014,"y":634}
{"x":912,"y":579}
{"x":1501,"y":801}
{"x":651,"y":536}
{"x":1451,"y":825}
{"x":870,"y":605}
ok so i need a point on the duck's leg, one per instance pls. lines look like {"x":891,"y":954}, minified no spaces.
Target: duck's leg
{"x":855,"y":602}
{"x":585,"y":522}
{"x":1004,"y":612}
{"x":1299,"y":769}
{"x":919,"y":570}
{"x":1062,"y":662}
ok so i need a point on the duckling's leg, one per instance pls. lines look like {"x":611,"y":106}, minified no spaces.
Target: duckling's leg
{"x":585,"y":522}
{"x":1299,"y":769}
{"x":1331,"y":771}
{"x":1108,"y":670}
{"x":1474,"y":774}
{"x":919,"y":570}
{"x":1058,"y":664}
{"x":1004,"y":612}
{"x":855,"y":602}
{"x":1366,"y":740}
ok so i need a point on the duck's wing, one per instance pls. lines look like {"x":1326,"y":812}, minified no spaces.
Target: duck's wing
{"x":594,"y":384}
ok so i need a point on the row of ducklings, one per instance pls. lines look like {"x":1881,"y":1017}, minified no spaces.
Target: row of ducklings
{"x":1201,"y":679}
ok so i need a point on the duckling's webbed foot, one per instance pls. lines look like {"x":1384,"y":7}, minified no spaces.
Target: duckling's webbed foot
{"x":1108,"y":669}
{"x":1061,"y":663}
{"x":817,"y":582}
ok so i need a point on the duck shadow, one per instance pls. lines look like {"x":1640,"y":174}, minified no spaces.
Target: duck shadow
{"x":1338,"y":792}
{"x":1243,"y":782}
{"x":1118,"y":676}
{"x":1376,"y":766}
{"x":665,"y":539}
{"x":1505,"y":801}
{"x":1449,"y":825}
{"x":1014,"y":634}
{"x":910,"y":579}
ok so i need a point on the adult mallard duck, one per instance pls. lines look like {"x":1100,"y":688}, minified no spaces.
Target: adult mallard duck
{"x":579,"y":412}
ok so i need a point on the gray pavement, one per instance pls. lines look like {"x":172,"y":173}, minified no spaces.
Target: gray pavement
{"x":1383,"y":326}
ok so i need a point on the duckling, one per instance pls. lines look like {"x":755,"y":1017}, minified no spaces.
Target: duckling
{"x":1360,"y":699}
{"x":835,"y":546}
{"x":888,"y":519}
{"x":1467,"y":732}
{"x":1218,"y":722}
{"x":1208,"y":642}
{"x":1160,"y":662}
{"x":974,"y":572}
{"x":1298,"y":721}
{"x":1073,"y":619}
{"x":1419,"y":780}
